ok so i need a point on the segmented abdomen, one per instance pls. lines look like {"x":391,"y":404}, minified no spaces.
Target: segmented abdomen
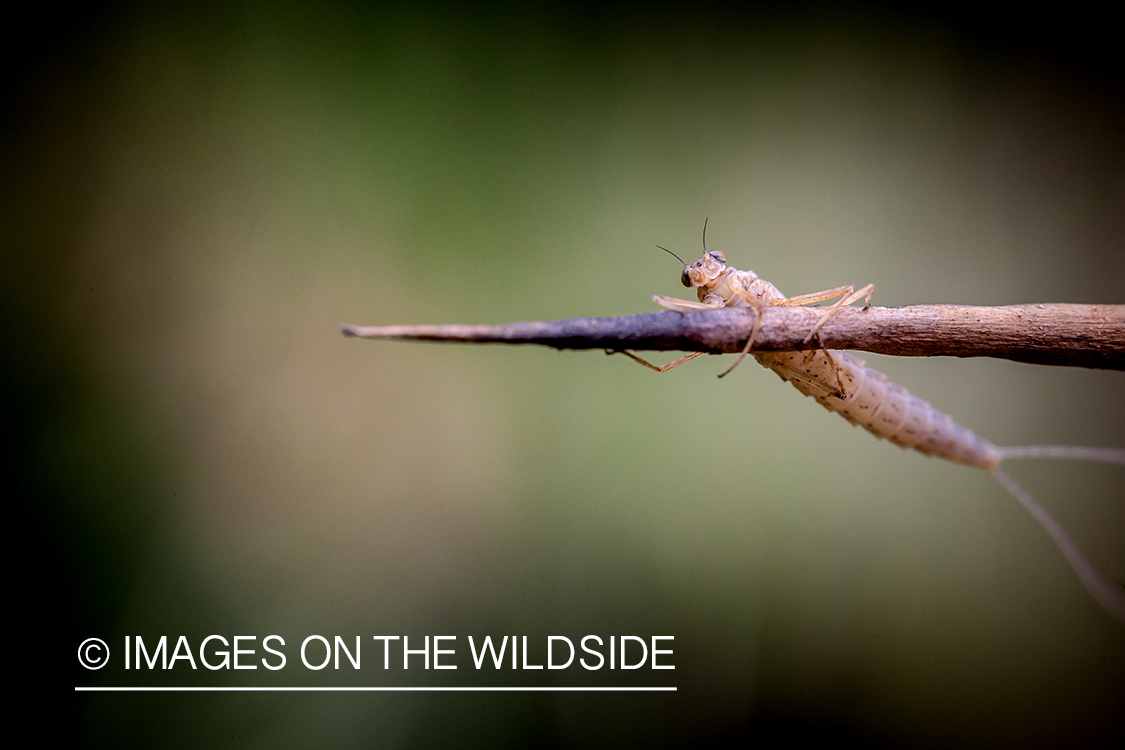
{"x":884,"y":409}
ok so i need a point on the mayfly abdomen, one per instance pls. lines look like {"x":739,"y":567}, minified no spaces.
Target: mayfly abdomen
{"x":884,"y":409}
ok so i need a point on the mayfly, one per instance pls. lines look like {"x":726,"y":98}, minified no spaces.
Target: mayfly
{"x":843,"y":383}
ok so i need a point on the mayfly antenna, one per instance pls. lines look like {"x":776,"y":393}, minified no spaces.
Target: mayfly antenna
{"x":681,"y":259}
{"x":673,"y":255}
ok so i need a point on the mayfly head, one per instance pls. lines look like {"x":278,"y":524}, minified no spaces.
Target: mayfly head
{"x":704,"y":271}
{"x":708,"y":268}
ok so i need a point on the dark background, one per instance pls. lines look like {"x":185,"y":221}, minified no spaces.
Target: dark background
{"x":194,"y":198}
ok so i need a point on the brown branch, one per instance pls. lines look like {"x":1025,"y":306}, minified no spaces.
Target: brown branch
{"x":1073,"y":335}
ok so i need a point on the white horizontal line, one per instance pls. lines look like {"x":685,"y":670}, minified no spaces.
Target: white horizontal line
{"x":371,"y":689}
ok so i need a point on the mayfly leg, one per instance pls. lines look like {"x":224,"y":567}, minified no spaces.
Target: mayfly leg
{"x":656,"y":368}
{"x":847,"y":294}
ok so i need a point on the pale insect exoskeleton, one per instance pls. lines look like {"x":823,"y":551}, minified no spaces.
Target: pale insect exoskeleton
{"x":843,"y":383}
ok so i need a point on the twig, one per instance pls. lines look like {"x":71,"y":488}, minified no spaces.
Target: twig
{"x":1055,"y":334}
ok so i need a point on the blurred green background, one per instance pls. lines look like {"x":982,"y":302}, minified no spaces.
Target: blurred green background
{"x":196,"y":198}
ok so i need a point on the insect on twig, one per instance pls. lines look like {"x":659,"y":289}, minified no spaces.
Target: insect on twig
{"x":1076,"y":335}
{"x":844,"y":384}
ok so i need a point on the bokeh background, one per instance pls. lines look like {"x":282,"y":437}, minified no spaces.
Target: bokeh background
{"x":196,"y":197}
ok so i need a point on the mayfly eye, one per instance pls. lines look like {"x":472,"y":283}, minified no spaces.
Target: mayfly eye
{"x":685,"y":279}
